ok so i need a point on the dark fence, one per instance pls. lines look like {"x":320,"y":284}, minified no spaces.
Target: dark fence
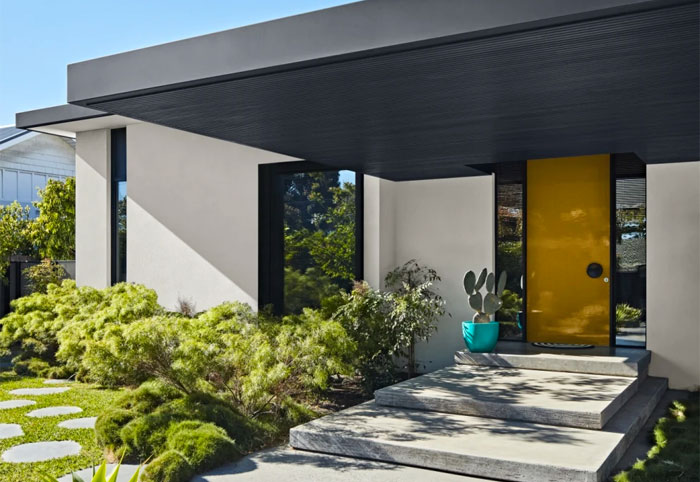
{"x":16,"y":285}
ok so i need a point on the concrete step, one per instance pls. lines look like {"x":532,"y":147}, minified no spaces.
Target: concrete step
{"x":599,"y":360}
{"x":481,"y":447}
{"x":553,"y":398}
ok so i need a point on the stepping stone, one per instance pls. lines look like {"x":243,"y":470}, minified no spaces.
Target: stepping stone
{"x":57,"y":381}
{"x":39,"y":391}
{"x":9,"y":430}
{"x":477,"y":446}
{"x":86,"y":422}
{"x":555,"y":398}
{"x":126,"y":471}
{"x":7,"y":404}
{"x":53,"y":411}
{"x":40,"y":451}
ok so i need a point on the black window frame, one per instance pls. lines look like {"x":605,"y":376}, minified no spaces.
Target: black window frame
{"x":117,"y":175}
{"x":271,"y":228}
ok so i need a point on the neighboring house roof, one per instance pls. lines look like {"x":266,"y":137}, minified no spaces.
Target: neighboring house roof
{"x":8,"y":133}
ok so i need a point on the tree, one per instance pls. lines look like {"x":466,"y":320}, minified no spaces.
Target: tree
{"x":14,"y":235}
{"x":53,"y":231}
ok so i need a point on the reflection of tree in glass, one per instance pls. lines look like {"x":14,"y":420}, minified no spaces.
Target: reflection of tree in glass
{"x":319,"y":237}
{"x":121,"y":232}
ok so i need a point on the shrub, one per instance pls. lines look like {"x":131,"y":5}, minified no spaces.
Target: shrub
{"x":625,"y":313}
{"x":53,"y":231}
{"x":14,"y":235}
{"x":171,"y":466}
{"x":58,"y":325}
{"x":255,"y":362}
{"x":109,"y":424}
{"x":40,"y":276}
{"x":204,"y":445}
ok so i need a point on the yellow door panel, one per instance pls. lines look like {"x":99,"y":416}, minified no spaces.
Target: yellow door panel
{"x":568,"y":227}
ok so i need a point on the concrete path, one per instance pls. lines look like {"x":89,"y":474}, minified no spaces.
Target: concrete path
{"x":288,"y":465}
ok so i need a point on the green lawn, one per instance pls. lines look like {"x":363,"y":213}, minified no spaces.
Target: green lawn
{"x":92,"y":400}
{"x":676,"y":453}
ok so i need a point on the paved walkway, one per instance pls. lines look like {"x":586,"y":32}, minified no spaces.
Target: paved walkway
{"x":288,"y":465}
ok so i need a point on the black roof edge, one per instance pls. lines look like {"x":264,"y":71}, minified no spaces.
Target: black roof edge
{"x":55,"y":115}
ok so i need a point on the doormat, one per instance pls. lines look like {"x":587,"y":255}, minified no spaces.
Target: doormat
{"x":565,"y":346}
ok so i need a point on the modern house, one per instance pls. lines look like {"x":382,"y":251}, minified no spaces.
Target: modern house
{"x":28,"y":159}
{"x":558,"y":140}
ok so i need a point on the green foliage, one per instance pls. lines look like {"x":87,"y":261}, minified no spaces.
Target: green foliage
{"x":171,"y":466}
{"x":387,"y":325}
{"x":99,"y":476}
{"x":512,"y":305}
{"x":109,"y":424}
{"x":509,"y":258}
{"x":15,"y":238}
{"x":306,"y":290}
{"x":625,"y":313}
{"x":204,"y":445}
{"x":676,"y":453}
{"x":40,"y":276}
{"x":53,"y":231}
{"x":59,"y":325}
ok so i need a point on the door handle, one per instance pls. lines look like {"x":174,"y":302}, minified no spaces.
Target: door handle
{"x":594,"y":270}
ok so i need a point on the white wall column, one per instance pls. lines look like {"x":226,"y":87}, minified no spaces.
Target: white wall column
{"x":673,"y":272}
{"x":92,"y":202}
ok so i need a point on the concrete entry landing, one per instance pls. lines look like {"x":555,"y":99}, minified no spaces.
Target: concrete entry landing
{"x":600,"y":360}
{"x":554,"y":398}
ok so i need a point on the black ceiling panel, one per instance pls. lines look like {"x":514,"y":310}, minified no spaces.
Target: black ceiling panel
{"x":628,"y":83}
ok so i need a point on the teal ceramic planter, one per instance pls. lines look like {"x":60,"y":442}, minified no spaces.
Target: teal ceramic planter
{"x":480,"y":337}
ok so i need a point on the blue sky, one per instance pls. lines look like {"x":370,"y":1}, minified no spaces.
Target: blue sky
{"x":38,"y":38}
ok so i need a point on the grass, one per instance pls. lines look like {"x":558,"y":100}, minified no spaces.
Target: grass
{"x":676,"y":453}
{"x":91,"y":399}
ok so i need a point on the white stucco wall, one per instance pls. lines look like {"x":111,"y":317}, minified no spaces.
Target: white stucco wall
{"x":92,"y":223}
{"x":192,"y":216}
{"x":673,"y":272}
{"x":446,"y":224}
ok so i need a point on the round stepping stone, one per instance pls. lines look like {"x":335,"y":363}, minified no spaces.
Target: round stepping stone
{"x":39,"y":391}
{"x":57,"y":381}
{"x":86,"y":422}
{"x":9,"y":430}
{"x":40,"y":451}
{"x":53,"y":411}
{"x":7,"y":404}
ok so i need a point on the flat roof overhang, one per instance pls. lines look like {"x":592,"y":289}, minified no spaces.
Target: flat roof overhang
{"x":407,"y":89}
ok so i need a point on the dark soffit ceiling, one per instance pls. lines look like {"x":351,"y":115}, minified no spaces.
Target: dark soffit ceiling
{"x":627,"y":83}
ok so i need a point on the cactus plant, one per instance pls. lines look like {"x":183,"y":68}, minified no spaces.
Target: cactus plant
{"x":487,"y":305}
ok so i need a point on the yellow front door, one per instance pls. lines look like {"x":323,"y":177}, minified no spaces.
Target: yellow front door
{"x":568,"y":229}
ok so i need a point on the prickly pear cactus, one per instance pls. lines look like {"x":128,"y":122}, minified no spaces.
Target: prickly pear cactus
{"x":484,"y":306}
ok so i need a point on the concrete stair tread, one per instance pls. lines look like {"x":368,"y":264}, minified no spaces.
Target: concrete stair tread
{"x":626,"y":362}
{"x":555,"y":398}
{"x":477,"y":446}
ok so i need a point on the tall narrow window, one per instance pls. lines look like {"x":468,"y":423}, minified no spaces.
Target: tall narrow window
{"x":310,"y":234}
{"x":118,"y":204}
{"x":630,"y":251}
{"x":510,"y":223}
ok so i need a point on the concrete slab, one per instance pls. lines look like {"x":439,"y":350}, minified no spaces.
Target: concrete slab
{"x":126,"y":471}
{"x":39,"y":391}
{"x":53,"y":411}
{"x":284,"y":463}
{"x":40,"y":451}
{"x":481,"y":447}
{"x":8,"y":404}
{"x":10,"y":430}
{"x":554,"y":398}
{"x":599,"y":360}
{"x":76,"y":423}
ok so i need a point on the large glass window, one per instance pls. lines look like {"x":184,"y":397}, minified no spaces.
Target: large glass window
{"x":313,"y":234}
{"x":118,"y":207}
{"x":630,"y":253}
{"x":510,"y":221}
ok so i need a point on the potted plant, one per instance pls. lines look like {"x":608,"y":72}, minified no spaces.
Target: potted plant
{"x":481,"y":334}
